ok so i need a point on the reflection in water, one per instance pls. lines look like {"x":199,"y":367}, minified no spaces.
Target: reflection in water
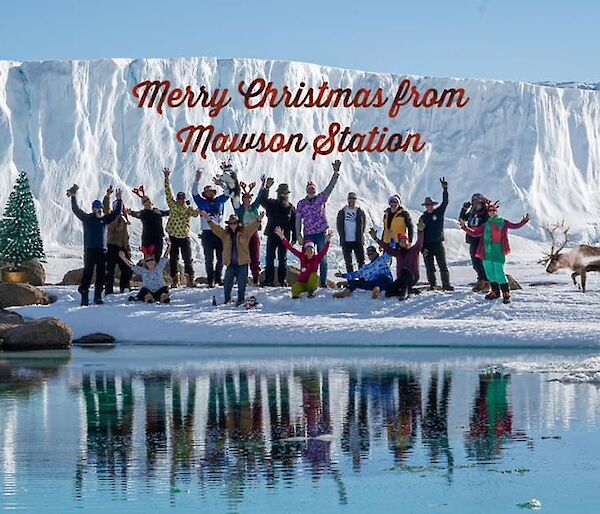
{"x":235,"y":429}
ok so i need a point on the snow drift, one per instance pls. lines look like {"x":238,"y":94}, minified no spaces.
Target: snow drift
{"x":534,"y":147}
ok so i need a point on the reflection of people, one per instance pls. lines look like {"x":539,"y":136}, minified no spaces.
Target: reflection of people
{"x":355,"y":432}
{"x":491,"y":420}
{"x":156,"y":419}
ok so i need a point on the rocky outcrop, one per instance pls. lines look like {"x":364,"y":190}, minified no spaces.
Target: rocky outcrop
{"x":14,"y":295}
{"x":97,"y":338}
{"x":40,"y":334}
{"x":36,"y":274}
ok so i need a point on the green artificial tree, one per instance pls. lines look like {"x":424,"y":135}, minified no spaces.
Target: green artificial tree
{"x":20,"y":239}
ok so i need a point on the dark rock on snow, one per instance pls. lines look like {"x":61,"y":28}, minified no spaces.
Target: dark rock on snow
{"x":96,"y":338}
{"x":13,"y":295}
{"x":40,"y":334}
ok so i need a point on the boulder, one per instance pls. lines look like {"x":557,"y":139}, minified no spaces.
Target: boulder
{"x":291,"y":275}
{"x":36,"y":274}
{"x":97,"y":338}
{"x":40,"y":334}
{"x":73,"y":277}
{"x":12,"y":295}
{"x":512,"y":283}
{"x":11,"y":318}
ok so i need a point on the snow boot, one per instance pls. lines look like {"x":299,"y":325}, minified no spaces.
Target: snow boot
{"x":376,"y":292}
{"x":190,"y":281}
{"x":446,"y":286}
{"x":344,"y":293}
{"x":85,"y":298}
{"x":109,"y":289}
{"x":494,"y":293}
{"x":98,"y":301}
{"x":148,"y":298}
{"x":403,"y":294}
{"x":175,"y":282}
{"x":165,"y":298}
{"x":505,"y":293}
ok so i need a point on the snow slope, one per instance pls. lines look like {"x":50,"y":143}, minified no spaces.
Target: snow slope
{"x":534,"y":147}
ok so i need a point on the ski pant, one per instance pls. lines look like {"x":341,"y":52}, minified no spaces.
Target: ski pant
{"x":113,"y":260}
{"x":156,"y":294}
{"x":213,"y":247}
{"x":254,"y":247}
{"x":310,"y":286}
{"x":495,"y":271}
{"x":381,"y":282}
{"x":183,"y":244}
{"x":275,"y":246}
{"x":359,"y":252}
{"x":93,"y":258}
{"x":476,"y":261}
{"x":239,"y":272}
{"x":402,"y":284}
{"x":320,"y":239}
{"x":436,"y":251}
{"x":158,"y":247}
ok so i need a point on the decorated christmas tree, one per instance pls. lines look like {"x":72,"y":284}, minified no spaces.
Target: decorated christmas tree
{"x":20,"y":239}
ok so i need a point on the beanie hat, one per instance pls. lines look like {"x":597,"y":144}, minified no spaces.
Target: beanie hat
{"x":96,"y":204}
{"x":352,"y":194}
{"x":311,"y":183}
{"x":396,"y":199}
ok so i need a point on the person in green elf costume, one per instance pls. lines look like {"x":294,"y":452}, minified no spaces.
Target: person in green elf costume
{"x":493,"y":249}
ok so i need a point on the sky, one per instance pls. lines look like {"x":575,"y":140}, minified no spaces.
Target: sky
{"x":529,"y":40}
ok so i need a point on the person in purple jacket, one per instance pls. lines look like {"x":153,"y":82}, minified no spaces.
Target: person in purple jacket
{"x":311,"y":212}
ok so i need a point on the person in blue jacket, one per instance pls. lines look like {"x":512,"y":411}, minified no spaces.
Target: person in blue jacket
{"x":209,"y":202}
{"x":375,"y":276}
{"x":95,"y":225}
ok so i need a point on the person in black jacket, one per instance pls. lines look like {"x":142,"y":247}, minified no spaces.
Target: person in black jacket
{"x":280,"y":213}
{"x":433,"y":241}
{"x":351,"y":223}
{"x":475,"y":214}
{"x":94,"y":244}
{"x":153,"y":233}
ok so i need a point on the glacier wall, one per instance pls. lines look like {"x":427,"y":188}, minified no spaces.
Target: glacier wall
{"x":535,"y":148}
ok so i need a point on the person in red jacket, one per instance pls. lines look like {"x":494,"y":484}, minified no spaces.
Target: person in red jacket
{"x":308,"y":280}
{"x":407,"y":262}
{"x":493,"y":248}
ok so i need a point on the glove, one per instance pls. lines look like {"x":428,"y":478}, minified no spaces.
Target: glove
{"x":425,"y":252}
{"x":373,"y":233}
{"x":421,"y":226}
{"x":270,"y":182}
{"x":444,"y":183}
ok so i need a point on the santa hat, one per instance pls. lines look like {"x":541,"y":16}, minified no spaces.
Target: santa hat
{"x":402,"y":237}
{"x":312,"y":184}
{"x":148,"y":251}
{"x":308,"y":244}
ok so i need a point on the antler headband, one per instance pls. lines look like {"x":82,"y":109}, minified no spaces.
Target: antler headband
{"x":139,"y":191}
{"x":247,"y":189}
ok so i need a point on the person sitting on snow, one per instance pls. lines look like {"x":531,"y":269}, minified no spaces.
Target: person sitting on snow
{"x":493,"y":248}
{"x":374,"y":276}
{"x":308,"y":280}
{"x":153,"y":280}
{"x":94,"y":243}
{"x":236,"y":252}
{"x":407,"y":262}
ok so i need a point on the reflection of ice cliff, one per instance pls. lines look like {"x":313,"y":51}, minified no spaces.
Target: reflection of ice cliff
{"x":535,"y":148}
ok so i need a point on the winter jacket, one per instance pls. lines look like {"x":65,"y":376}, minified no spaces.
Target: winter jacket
{"x":395,"y":223}
{"x":408,"y":258}
{"x":312,"y":211}
{"x":307,"y":266}
{"x":152,"y":280}
{"x":213,"y":207}
{"x":499,"y":235}
{"x":379,"y":268}
{"x":94,"y":227}
{"x":474,"y":218}
{"x":118,"y":234}
{"x":247,"y":216}
{"x":279,"y":215}
{"x":152,"y":226}
{"x":361,"y":223}
{"x":179,"y":222}
{"x":434,"y":222}
{"x":242,"y":234}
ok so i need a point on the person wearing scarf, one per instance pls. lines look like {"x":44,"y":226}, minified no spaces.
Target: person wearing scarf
{"x":493,"y":249}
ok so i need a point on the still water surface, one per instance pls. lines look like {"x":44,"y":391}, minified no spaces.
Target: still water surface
{"x":180,"y":429}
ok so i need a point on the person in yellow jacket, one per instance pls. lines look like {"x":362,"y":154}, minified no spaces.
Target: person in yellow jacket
{"x":396,"y":220}
{"x":236,"y":251}
{"x":178,"y":228}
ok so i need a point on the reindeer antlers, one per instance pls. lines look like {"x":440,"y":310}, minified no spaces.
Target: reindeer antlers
{"x":551,"y":231}
{"x":139,"y":191}
{"x":247,"y":189}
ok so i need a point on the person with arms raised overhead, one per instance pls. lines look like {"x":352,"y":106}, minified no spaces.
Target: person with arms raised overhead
{"x":152,"y":225}
{"x":213,"y":205}
{"x":351,"y":222}
{"x":117,"y":241}
{"x":94,"y":243}
{"x":311,"y":212}
{"x":396,"y":220}
{"x":280,"y":213}
{"x":178,"y":228}
{"x":308,"y":280}
{"x":433,"y":239}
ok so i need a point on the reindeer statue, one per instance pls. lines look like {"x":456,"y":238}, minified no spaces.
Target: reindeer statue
{"x":580,"y":260}
{"x":228,"y":180}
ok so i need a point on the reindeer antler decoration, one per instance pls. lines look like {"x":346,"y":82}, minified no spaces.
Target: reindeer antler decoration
{"x":551,"y":231}
{"x":139,"y":191}
{"x":226,"y":165}
{"x":247,"y":189}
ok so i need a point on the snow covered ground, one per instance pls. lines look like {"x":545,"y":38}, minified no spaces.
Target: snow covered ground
{"x":551,"y":315}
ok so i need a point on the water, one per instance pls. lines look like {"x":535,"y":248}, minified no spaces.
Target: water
{"x":183,"y":429}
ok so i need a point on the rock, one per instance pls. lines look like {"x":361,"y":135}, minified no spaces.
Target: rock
{"x":73,"y":277}
{"x":12,"y":295}
{"x":11,"y":318}
{"x":40,"y":334}
{"x":36,"y":274}
{"x":97,"y":338}
{"x":512,"y":283}
{"x":291,"y":275}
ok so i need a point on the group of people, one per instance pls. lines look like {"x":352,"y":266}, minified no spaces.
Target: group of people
{"x":236,"y":245}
